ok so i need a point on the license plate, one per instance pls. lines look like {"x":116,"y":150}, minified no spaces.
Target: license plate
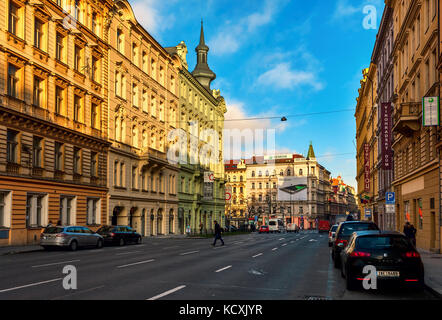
{"x":388,"y":274}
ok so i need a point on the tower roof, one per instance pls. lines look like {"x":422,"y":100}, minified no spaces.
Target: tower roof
{"x":202,"y":72}
{"x":311,"y":152}
{"x":202,"y":44}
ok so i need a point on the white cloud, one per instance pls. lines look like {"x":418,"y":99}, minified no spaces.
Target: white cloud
{"x":149,"y":15}
{"x":231,"y":36}
{"x":282,"y":76}
{"x":344,"y":9}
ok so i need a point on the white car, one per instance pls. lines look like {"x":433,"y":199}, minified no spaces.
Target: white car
{"x":276,"y":225}
{"x":332,"y":234}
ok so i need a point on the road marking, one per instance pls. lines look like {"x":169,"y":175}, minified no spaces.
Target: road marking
{"x":120,"y":254}
{"x":284,"y":245}
{"x":133,"y":264}
{"x":186,"y":253}
{"x":30,"y":285}
{"x":54,"y":264}
{"x":257,"y":255}
{"x":274,"y":249}
{"x":222,"y":269}
{"x":292,"y":241}
{"x":167,"y":293}
{"x":281,"y":239}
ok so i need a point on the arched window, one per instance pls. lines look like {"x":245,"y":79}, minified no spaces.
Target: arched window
{"x":281,"y":173}
{"x":260,"y":174}
{"x":267,"y":173}
{"x":260,"y":185}
{"x":289,"y":172}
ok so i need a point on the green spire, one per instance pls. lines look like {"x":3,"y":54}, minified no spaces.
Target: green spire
{"x":311,"y":153}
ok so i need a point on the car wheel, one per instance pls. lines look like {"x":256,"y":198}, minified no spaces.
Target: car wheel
{"x":122,"y":242}
{"x":73,"y":246}
{"x":99,"y":244}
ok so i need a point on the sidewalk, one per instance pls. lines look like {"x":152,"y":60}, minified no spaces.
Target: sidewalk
{"x":433,"y":270}
{"x":19,"y":249}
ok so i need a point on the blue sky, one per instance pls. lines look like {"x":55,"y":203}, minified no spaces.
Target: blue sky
{"x":279,"y":58}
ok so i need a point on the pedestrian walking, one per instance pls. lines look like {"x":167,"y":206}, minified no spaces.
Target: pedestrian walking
{"x":410,"y":232}
{"x":201,"y":228}
{"x":218,"y":232}
{"x":413,"y":234}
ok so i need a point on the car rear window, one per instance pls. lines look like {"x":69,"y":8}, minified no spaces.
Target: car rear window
{"x":383,"y":242}
{"x":333,"y":229}
{"x":105,"y":229}
{"x":53,"y":230}
{"x":348,"y":228}
{"x":272,"y":223}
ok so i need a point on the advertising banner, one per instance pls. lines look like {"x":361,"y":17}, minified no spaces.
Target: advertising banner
{"x":386,"y":129}
{"x":430,"y":111}
{"x":292,"y":189}
{"x":208,"y":186}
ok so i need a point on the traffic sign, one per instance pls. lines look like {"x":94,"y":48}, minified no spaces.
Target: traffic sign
{"x":390,"y":198}
{"x":389,"y":208}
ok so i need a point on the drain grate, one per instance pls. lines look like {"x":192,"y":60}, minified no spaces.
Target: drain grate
{"x":315,"y":298}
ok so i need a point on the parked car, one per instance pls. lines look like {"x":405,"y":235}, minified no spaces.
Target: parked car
{"x":119,"y":235}
{"x":231,"y":228}
{"x":276,"y":225}
{"x":264,"y":229}
{"x":332,"y":234}
{"x":323,"y":225}
{"x":71,"y":237}
{"x":343,"y":234}
{"x":391,"y":253}
{"x":292,"y":227}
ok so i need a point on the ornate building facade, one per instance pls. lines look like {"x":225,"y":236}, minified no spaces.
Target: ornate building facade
{"x":53,"y":116}
{"x":236,"y":207}
{"x":201,"y":120}
{"x":143,"y":108}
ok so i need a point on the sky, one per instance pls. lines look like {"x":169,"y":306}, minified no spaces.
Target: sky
{"x":277,"y":58}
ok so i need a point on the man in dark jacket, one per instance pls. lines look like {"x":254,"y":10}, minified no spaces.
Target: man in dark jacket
{"x":218,"y":231}
{"x":410,"y":232}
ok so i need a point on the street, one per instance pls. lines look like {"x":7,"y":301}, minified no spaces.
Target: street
{"x":255,"y":266}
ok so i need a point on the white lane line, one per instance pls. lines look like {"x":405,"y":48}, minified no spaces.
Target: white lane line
{"x":54,"y":264}
{"x":281,"y":239}
{"x":283,"y":245}
{"x":186,"y":253}
{"x":123,"y":253}
{"x":257,"y":255}
{"x":30,"y":285}
{"x":292,"y":241}
{"x":222,"y":269}
{"x":136,"y":263}
{"x":274,"y":249}
{"x":167,"y":293}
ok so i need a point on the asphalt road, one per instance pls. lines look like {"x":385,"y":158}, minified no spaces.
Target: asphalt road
{"x":248,"y":267}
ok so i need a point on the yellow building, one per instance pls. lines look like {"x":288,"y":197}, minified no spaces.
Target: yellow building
{"x":236,"y":207}
{"x":143,"y":108}
{"x":416,"y":161}
{"x":53,"y":116}
{"x":367,"y":145}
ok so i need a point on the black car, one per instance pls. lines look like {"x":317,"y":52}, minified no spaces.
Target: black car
{"x":343,"y":234}
{"x":119,"y":235}
{"x":391,"y":253}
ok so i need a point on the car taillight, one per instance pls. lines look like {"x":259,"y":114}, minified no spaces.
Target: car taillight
{"x":329,"y":234}
{"x":112,"y":234}
{"x":411,"y":280}
{"x":344,"y":242}
{"x":411,"y":254}
{"x":360,"y":254}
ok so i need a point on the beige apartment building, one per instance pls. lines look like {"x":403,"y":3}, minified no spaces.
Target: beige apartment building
{"x":416,"y":160}
{"x":143,"y":108}
{"x":237,"y":211}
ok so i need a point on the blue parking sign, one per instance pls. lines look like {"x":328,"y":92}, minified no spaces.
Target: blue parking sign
{"x":390,"y":198}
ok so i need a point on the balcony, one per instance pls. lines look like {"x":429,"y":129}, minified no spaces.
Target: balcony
{"x":406,"y":118}
{"x":37,"y":172}
{"x":12,"y":168}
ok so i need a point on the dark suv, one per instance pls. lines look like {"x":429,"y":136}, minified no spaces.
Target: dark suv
{"x":119,"y":235}
{"x":343,"y":234}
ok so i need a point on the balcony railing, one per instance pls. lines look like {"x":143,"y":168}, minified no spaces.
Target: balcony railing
{"x":406,"y":118}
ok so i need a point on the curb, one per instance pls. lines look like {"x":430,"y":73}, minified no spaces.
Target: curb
{"x":20,"y":251}
{"x":432,"y":291}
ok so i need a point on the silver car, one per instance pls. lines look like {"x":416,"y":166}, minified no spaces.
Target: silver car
{"x":332,"y":234}
{"x":71,"y":237}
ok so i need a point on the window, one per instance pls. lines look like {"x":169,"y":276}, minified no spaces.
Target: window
{"x":281,"y":173}
{"x":120,"y":41}
{"x":116,"y":173}
{"x":300,"y":172}
{"x":253,"y":173}
{"x":420,"y":211}
{"x":135,"y":95}
{"x":36,"y":210}
{"x":260,"y":174}
{"x":95,"y":70}
{"x":77,"y":108}
{"x":67,"y":210}
{"x":135,"y":136}
{"x":95,"y":113}
{"x":145,"y":102}
{"x":134,"y":177}
{"x":145,"y":67}
{"x":59,"y":100}
{"x":77,"y":160}
{"x":5,"y":209}
{"x":135,"y":54}
{"x":289,"y":172}
{"x":95,"y":24}
{"x":58,"y":164}
{"x":94,"y":164}
{"x":38,"y":34}
{"x":13,"y":81}
{"x":14,"y":19}
{"x":153,"y":106}
{"x":77,"y":59}
{"x":38,"y":92}
{"x":12,"y":146}
{"x":37,"y":152}
{"x":267,"y":173}
{"x":93,"y":212}
{"x":153,"y":69}
{"x":122,"y":168}
{"x":59,"y":49}
{"x":253,"y":185}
